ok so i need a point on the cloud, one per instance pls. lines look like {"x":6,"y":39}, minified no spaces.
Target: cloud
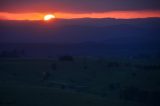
{"x":77,"y":6}
{"x":114,"y":14}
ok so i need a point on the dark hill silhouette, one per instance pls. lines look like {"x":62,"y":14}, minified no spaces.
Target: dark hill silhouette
{"x":85,"y":36}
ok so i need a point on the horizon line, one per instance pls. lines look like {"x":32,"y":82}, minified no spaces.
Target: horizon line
{"x":113,"y":14}
{"x":52,"y":20}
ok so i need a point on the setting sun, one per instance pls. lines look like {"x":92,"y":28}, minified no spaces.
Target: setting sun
{"x":49,"y":17}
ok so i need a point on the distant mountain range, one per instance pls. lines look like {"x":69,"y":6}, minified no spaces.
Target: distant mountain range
{"x":85,"y":36}
{"x":81,"y":30}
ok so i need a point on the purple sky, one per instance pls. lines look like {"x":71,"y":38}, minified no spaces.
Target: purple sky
{"x":77,"y":6}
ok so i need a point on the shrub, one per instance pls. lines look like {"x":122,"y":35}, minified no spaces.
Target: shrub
{"x":134,"y":74}
{"x":10,"y":54}
{"x":66,"y":58}
{"x":154,"y":98}
{"x":148,"y":67}
{"x":54,"y":66}
{"x":113,"y":65}
{"x":134,"y":94}
{"x":111,"y":87}
{"x":114,"y":86}
{"x":85,"y":67}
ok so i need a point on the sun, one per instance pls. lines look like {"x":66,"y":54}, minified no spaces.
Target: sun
{"x":49,"y":17}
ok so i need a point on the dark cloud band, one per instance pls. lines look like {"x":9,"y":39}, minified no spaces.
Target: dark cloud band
{"x":82,"y":6}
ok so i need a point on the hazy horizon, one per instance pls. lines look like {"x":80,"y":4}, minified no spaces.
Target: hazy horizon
{"x":31,"y":10}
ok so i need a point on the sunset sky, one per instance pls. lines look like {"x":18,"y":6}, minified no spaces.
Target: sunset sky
{"x":67,"y":9}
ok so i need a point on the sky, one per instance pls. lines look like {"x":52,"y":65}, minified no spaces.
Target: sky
{"x":36,"y":9}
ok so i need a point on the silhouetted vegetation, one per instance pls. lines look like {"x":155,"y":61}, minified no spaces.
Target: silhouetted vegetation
{"x":154,"y":98}
{"x":134,"y":74}
{"x":66,"y":58}
{"x":139,"y":95}
{"x":113,"y":64}
{"x":134,"y":94}
{"x":85,"y":67}
{"x":111,"y":87}
{"x":54,"y":66}
{"x":93,"y":80}
{"x":12,"y":54}
{"x":114,"y":86}
{"x":148,"y":67}
{"x":46,"y":75}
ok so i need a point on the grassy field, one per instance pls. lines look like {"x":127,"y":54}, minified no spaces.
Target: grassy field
{"x":79,"y":82}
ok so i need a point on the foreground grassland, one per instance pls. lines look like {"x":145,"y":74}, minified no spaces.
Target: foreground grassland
{"x":79,"y":82}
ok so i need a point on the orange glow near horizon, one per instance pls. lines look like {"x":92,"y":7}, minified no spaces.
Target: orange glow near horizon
{"x":112,"y":14}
